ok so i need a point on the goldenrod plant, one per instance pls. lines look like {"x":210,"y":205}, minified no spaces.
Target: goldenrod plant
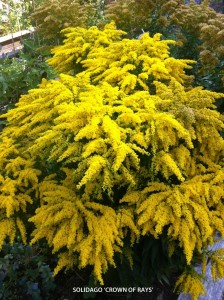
{"x":120,"y":146}
{"x":197,"y":27}
{"x":191,"y":282}
{"x":50,"y":17}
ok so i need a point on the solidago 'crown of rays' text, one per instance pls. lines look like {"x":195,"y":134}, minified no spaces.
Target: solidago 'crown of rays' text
{"x":124,"y":147}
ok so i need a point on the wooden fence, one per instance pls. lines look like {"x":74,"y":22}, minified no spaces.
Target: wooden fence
{"x":10,"y":44}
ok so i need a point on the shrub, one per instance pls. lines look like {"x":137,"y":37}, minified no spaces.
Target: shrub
{"x":197,"y":27}
{"x":52,"y":16}
{"x":20,"y":74}
{"x":25,"y":273}
{"x":124,"y":149}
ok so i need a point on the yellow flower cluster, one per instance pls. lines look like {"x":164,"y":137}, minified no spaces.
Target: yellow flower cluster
{"x":90,"y":229}
{"x":217,"y":263}
{"x":52,"y":16}
{"x":105,"y":159}
{"x":105,"y":58}
{"x":180,"y":18}
{"x":135,"y":15}
{"x":190,"y":283}
{"x":78,"y":43}
{"x":183,"y":208}
{"x":184,"y":19}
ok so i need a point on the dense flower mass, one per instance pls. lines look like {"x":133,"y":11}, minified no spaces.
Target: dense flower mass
{"x":123,"y":148}
{"x":51,"y":16}
{"x":194,"y":24}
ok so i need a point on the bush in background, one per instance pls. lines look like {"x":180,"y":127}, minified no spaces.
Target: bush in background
{"x":52,"y":16}
{"x":198,"y":29}
{"x":19,"y":74}
{"x":24,"y":273}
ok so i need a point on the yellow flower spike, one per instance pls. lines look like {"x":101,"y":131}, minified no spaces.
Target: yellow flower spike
{"x":164,"y":162}
{"x":64,"y":261}
{"x":204,"y":264}
{"x":214,"y":272}
{"x":98,"y":270}
{"x":217,"y":263}
{"x":8,"y":229}
{"x":96,"y":163}
{"x":190,"y":283}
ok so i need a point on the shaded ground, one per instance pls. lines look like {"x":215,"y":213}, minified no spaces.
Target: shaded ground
{"x":65,"y":292}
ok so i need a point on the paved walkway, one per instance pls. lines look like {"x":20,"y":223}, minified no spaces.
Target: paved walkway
{"x":215,"y":289}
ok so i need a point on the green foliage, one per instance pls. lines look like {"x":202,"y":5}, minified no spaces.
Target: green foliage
{"x":150,"y":262}
{"x":24,"y":273}
{"x":19,"y":74}
{"x":15,"y":16}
